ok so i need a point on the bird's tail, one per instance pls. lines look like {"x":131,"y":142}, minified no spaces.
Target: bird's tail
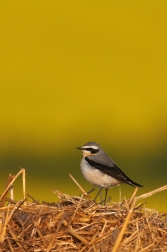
{"x":132,"y":183}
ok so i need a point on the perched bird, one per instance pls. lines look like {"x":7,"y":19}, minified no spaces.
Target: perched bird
{"x":100,"y":170}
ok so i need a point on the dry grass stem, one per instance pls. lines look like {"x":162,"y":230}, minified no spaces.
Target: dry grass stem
{"x":79,"y":224}
{"x":22,"y":171}
{"x":149,"y":194}
{"x":82,"y":190}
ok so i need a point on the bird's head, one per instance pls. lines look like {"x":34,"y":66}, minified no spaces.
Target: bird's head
{"x":90,"y":149}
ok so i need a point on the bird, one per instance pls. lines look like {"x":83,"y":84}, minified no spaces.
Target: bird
{"x":100,"y":170}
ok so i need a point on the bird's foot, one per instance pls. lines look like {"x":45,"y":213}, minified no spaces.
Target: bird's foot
{"x":105,"y":202}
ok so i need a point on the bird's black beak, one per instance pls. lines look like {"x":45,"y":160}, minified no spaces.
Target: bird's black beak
{"x":79,"y":148}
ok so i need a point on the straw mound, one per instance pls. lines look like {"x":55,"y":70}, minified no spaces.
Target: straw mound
{"x":79,"y":224}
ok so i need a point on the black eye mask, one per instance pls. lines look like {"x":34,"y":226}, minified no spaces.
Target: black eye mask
{"x":93,"y":151}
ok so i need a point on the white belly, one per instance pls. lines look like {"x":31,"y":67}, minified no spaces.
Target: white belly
{"x":96,"y":177}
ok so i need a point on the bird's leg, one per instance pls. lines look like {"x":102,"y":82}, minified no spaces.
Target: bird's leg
{"x":109,"y":199}
{"x":100,"y":189}
{"x":101,"y":199}
{"x":90,"y":190}
{"x":105,"y":196}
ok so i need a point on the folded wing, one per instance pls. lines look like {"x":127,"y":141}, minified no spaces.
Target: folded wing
{"x":106,"y":165}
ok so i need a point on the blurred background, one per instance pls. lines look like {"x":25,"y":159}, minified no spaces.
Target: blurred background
{"x":79,"y":71}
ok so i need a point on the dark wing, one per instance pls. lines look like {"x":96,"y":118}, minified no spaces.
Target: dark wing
{"x":108,"y":167}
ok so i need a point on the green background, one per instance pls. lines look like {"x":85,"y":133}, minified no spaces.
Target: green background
{"x":79,"y":71}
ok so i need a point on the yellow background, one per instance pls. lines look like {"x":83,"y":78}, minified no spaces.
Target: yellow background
{"x":79,"y":71}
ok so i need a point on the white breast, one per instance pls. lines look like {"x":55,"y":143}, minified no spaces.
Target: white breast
{"x":96,"y":177}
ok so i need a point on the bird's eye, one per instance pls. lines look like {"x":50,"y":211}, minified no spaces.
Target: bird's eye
{"x":89,"y":149}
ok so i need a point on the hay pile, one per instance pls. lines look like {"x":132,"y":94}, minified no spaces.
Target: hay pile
{"x":79,"y":224}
